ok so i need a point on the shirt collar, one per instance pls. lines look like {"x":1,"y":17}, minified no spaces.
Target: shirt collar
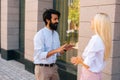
{"x":48,"y":29}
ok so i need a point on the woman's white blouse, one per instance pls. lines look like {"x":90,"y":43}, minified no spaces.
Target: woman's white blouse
{"x":93,"y":54}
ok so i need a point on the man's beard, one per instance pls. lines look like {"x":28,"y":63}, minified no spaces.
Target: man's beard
{"x":53,"y":26}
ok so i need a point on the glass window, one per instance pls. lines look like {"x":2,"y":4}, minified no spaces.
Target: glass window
{"x":73,"y":26}
{"x":68,"y":31}
{"x":68,"y":25}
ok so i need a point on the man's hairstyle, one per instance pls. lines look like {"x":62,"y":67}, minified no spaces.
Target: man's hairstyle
{"x":47,"y":14}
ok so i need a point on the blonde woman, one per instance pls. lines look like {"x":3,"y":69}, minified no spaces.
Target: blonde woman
{"x":98,"y":49}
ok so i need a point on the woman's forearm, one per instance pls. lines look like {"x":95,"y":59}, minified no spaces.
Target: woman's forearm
{"x":86,"y":66}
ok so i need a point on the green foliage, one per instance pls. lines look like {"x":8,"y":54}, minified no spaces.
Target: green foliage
{"x":74,"y":11}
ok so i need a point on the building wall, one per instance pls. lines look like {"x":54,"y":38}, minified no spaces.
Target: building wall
{"x":116,"y":43}
{"x":4,"y":24}
{"x":9,"y":26}
{"x":31,"y":12}
{"x":87,"y":11}
{"x":34,"y":22}
{"x":0,"y":24}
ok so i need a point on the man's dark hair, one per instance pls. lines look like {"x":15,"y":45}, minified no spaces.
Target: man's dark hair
{"x":47,"y":14}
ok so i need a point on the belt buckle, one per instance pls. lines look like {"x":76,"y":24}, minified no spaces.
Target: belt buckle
{"x":49,"y":65}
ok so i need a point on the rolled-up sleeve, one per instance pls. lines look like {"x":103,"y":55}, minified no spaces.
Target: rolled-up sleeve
{"x":91,"y":52}
{"x":39,"y":50}
{"x":94,"y":52}
{"x":90,"y":59}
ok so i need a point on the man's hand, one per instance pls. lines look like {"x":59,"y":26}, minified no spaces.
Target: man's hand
{"x":69,"y":47}
{"x":64,"y":48}
{"x":58,"y":50}
{"x":61,"y":49}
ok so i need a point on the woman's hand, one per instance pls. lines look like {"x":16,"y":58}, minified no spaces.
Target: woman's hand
{"x":76,"y":60}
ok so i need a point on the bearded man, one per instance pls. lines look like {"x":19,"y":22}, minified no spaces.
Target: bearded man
{"x":47,"y":47}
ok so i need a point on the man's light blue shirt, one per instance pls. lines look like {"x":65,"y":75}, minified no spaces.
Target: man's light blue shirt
{"x":45,"y":40}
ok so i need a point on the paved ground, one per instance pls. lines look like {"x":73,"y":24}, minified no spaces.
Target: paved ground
{"x":13,"y":70}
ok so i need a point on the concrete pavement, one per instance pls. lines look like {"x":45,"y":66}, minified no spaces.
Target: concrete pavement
{"x":13,"y":70}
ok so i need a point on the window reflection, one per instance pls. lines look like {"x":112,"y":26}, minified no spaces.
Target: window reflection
{"x":69,"y":22}
{"x":73,"y":21}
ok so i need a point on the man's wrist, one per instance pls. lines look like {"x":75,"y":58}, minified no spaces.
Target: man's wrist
{"x":65,"y":50}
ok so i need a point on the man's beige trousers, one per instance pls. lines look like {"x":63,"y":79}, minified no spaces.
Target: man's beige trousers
{"x":46,"y":73}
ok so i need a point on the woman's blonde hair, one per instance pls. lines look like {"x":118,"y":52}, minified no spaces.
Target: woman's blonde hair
{"x":102,"y":27}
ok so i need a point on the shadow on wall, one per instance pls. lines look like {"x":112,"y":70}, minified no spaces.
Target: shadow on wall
{"x":116,"y":35}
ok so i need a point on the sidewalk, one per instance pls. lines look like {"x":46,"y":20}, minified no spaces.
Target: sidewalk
{"x":13,"y":70}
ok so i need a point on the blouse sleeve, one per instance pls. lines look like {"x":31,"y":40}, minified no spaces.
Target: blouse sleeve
{"x":92,"y":49}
